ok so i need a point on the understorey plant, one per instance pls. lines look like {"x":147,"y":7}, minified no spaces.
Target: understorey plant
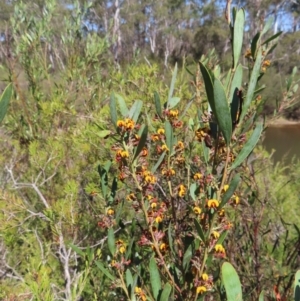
{"x":175,"y":174}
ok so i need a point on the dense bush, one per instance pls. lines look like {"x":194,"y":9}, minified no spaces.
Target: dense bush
{"x":114,"y":186}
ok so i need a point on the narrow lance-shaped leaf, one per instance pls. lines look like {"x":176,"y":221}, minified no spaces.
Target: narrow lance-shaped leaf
{"x":231,"y":282}
{"x":158,"y":105}
{"x":104,"y":270}
{"x":236,"y":81}
{"x":111,"y":241}
{"x":222,"y":110}
{"x":113,"y":110}
{"x":172,"y":86}
{"x":249,"y":146}
{"x":142,"y":142}
{"x":122,"y":105}
{"x":231,"y":189}
{"x":252,"y":84}
{"x":209,"y":87}
{"x":154,"y":278}
{"x":166,"y":293}
{"x":187,"y":257}
{"x":238,"y":32}
{"x":261,"y":296}
{"x":297,"y":286}
{"x":169,"y":135}
{"x":199,"y":230}
{"x":135,"y":110}
{"x":173,"y":101}
{"x":4,"y":101}
{"x":129,"y":279}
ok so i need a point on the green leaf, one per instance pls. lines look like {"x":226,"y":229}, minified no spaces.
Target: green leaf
{"x":158,"y":105}
{"x":135,"y":110}
{"x":113,"y":110}
{"x":199,"y":230}
{"x":222,"y":237}
{"x":209,"y":87}
{"x":122,"y":105}
{"x":248,"y":147}
{"x":254,"y":44}
{"x":4,"y":101}
{"x":236,"y":81}
{"x":154,"y":278}
{"x":129,"y":279}
{"x":142,"y":142}
{"x":231,"y":189}
{"x":187,"y":257}
{"x":161,"y":158}
{"x":170,"y":238}
{"x":104,"y":133}
{"x":268,"y":25}
{"x":111,"y":241}
{"x":77,"y":250}
{"x":166,"y":293}
{"x":238,"y":32}
{"x":231,"y":282}
{"x":261,"y":296}
{"x":173,"y":102}
{"x":105,"y":271}
{"x":252,"y":84}
{"x":173,"y":81}
{"x":169,"y":135}
{"x":272,"y":38}
{"x":297,"y":286}
{"x":222,"y":110}
{"x":193,"y":189}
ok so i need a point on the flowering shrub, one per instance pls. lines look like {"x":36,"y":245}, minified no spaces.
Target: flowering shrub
{"x":174,"y":176}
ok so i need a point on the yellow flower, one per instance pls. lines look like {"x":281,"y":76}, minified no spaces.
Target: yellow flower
{"x":236,"y":200}
{"x":180,"y":145}
{"x":163,"y":247}
{"x":181,"y":191}
{"x":150,"y":179}
{"x":215,"y":234}
{"x":130,"y":197}
{"x":213,"y":203}
{"x":120,"y":123}
{"x":159,"y":219}
{"x":137,"y":290}
{"x":222,"y":213}
{"x":122,"y":249}
{"x":124,"y":154}
{"x":197,"y":210}
{"x":160,"y":131}
{"x":164,"y":148}
{"x":201,"y":289}
{"x":110,"y":211}
{"x":204,"y":277}
{"x":153,"y":205}
{"x":225,"y":188}
{"x":173,"y":113}
{"x":129,"y":124}
{"x":154,"y":137}
{"x":197,"y":176}
{"x":219,"y":249}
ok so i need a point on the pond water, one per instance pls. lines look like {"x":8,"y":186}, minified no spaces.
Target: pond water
{"x":285,"y":140}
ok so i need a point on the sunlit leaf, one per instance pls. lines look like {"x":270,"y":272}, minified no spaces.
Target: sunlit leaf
{"x":111,"y":241}
{"x":4,"y":101}
{"x":154,"y":278}
{"x":222,"y":110}
{"x":249,"y":146}
{"x":231,"y":282}
{"x":238,"y":32}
